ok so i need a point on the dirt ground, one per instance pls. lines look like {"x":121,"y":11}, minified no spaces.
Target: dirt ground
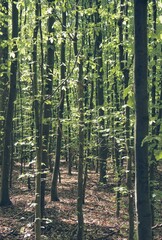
{"x":17,"y":221}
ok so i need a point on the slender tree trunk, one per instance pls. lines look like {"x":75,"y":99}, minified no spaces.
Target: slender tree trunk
{"x":38,"y":127}
{"x":81,"y":154}
{"x":41,"y":137}
{"x":3,"y":70}
{"x":123,"y":61}
{"x":5,"y":200}
{"x":116,"y":146}
{"x":80,"y":230}
{"x":69,"y":152}
{"x":153,"y":114}
{"x":143,"y":206}
{"x":115,"y":124}
{"x":69,"y":141}
{"x":47,"y":106}
{"x":100,"y":97}
{"x":54,"y":194}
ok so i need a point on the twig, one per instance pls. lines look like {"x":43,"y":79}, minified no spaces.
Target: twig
{"x":157,"y":226}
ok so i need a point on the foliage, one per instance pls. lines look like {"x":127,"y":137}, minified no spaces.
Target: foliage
{"x":118,"y":96}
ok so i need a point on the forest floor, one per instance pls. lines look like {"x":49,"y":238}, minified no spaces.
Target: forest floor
{"x":101,"y":223}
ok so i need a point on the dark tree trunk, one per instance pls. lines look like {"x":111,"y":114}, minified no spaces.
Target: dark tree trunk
{"x":116,"y":145}
{"x":3,"y":70}
{"x":38,"y":126}
{"x":80,"y":230}
{"x":69,"y":141}
{"x":5,"y":200}
{"x":47,"y":106}
{"x":54,"y":194}
{"x":143,"y":206}
{"x":153,"y":113}
{"x":100,"y":97}
{"x":81,"y":154}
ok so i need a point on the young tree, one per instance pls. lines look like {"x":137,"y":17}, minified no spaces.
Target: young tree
{"x":79,"y":55}
{"x":153,"y":110}
{"x":38,"y":124}
{"x":100,"y":95}
{"x":123,"y":61}
{"x":141,"y":123}
{"x":48,"y":94}
{"x":54,"y":195}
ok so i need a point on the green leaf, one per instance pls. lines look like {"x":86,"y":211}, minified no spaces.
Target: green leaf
{"x":1,"y":118}
{"x":127,"y":90}
{"x":48,"y":102}
{"x":122,"y":189}
{"x":160,"y":18}
{"x":158,"y":154}
{"x":160,"y":36}
{"x":130,"y":102}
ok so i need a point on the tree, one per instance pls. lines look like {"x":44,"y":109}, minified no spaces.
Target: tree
{"x":154,"y":110}
{"x":3,"y":68}
{"x":38,"y":123}
{"x":141,"y":122}
{"x":48,"y":103}
{"x":94,"y":130}
{"x":100,"y":96}
{"x":79,"y":54}
{"x":123,"y":61}
{"x":5,"y":200}
{"x":54,"y":195}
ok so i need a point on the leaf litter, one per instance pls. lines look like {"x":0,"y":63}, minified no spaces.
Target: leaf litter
{"x":60,"y":220}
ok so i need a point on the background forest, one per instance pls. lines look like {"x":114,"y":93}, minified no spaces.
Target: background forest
{"x":74,"y":83}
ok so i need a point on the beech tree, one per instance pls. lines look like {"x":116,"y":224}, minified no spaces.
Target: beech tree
{"x":79,"y":55}
{"x":67,"y":85}
{"x":100,"y":95}
{"x":154,"y":110}
{"x":143,"y":206}
{"x":60,"y":109}
{"x":124,"y":67}
{"x":5,"y":200}
{"x":3,"y":66}
{"x":37,"y":102}
{"x":48,"y":95}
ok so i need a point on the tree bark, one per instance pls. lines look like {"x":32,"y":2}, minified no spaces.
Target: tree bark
{"x":54,"y":194}
{"x":123,"y":61}
{"x":143,"y":207}
{"x":153,"y":111}
{"x":47,"y":104}
{"x":4,"y":198}
{"x":3,"y":70}
{"x":100,"y":96}
{"x":80,"y":229}
{"x":38,"y":126}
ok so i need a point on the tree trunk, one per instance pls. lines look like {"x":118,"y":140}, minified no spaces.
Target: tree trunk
{"x":3,"y":70}
{"x":47,"y":105}
{"x":143,"y":207}
{"x":100,"y":97}
{"x":5,"y":200}
{"x":153,"y":113}
{"x":123,"y":61}
{"x":69,"y":141}
{"x":80,"y":230}
{"x":81,"y":155}
{"x":54,"y":194}
{"x":38,"y":127}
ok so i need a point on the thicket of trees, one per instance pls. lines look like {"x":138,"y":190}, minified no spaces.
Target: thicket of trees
{"x":75,"y":78}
